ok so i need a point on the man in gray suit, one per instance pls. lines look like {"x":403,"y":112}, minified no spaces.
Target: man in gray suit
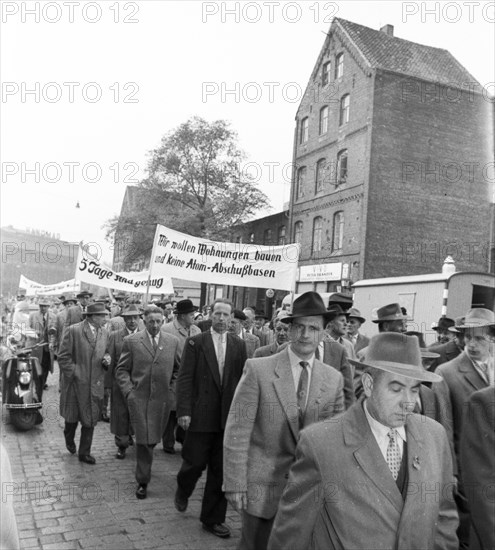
{"x":377,"y":477}
{"x":276,"y":397}
{"x":281,"y":331}
{"x":252,"y":342}
{"x":146,"y":374}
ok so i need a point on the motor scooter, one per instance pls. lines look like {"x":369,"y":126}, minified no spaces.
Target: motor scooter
{"x":22,"y":388}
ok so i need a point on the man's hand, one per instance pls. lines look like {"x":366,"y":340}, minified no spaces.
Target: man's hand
{"x":237,"y":499}
{"x":106,"y":360}
{"x":184,"y":422}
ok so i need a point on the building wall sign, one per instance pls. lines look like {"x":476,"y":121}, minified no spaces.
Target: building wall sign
{"x":320,"y":272}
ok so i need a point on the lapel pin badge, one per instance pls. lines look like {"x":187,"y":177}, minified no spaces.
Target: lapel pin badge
{"x":416,"y":463}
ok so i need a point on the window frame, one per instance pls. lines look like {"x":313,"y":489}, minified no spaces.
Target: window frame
{"x":298,"y":231}
{"x":326,"y":72}
{"x":344,"y":110}
{"x":338,"y":233}
{"x":319,"y":180}
{"x":300,"y":184}
{"x":323,"y":120}
{"x":304,"y":131}
{"x":341,"y":155}
{"x":339,"y":65}
{"x":316,"y":239}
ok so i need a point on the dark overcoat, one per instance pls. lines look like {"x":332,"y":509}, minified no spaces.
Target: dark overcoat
{"x":147,"y":380}
{"x":119,"y":413}
{"x":80,"y":359}
{"x":200,"y":394}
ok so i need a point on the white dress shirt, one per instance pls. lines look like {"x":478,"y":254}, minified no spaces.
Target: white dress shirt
{"x":153,"y":338}
{"x":380,"y":431}
{"x":297,"y":369}
{"x":216,"y":336}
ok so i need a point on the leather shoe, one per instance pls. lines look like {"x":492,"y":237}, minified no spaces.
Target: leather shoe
{"x":105,"y":417}
{"x":169,"y":450}
{"x":87,"y":458}
{"x":217,"y":529}
{"x":180,"y":501}
{"x":120,"y":453}
{"x":71,"y":447}
{"x":141,"y":492}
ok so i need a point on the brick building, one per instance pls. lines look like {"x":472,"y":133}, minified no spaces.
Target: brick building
{"x":38,"y":255}
{"x":391,"y":149}
{"x":270,"y":230}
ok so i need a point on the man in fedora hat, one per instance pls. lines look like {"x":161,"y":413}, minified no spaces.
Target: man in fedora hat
{"x":354,"y":322}
{"x":281,"y":331}
{"x":44,"y":323}
{"x":389,"y":318}
{"x":182,"y":327}
{"x":82,"y":361}
{"x":146,"y":373}
{"x":236,"y":327}
{"x":472,"y":370}
{"x":68,"y":301}
{"x":118,"y":307}
{"x":75,"y":313}
{"x":276,"y":398}
{"x":444,"y":335}
{"x":451,"y":349}
{"x":120,"y":424}
{"x":337,"y":328}
{"x":367,"y":480}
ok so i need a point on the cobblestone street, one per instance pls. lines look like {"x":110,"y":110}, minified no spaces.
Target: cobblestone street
{"x":61,"y":503}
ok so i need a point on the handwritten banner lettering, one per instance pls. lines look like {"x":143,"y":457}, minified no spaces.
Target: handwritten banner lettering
{"x":238,"y":264}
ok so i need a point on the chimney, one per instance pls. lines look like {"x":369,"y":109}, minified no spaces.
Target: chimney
{"x":388,"y":30}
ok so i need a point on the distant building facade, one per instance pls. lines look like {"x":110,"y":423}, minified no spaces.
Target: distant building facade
{"x":38,"y":255}
{"x":392,"y":149}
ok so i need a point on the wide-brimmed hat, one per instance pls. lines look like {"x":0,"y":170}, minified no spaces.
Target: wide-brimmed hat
{"x":355,"y":314}
{"x":396,"y":353}
{"x":335,"y":310}
{"x":131,"y":309}
{"x":96,"y":309}
{"x":458,"y":322}
{"x":84,"y":294}
{"x":44,"y":302}
{"x":444,"y":323}
{"x":307,"y":305}
{"x":69,"y":298}
{"x":478,"y":317}
{"x":425,"y":352}
{"x":185,"y":306}
{"x":258,"y":314}
{"x":390,"y":312}
{"x":238,"y":314}
{"x":120,"y":296}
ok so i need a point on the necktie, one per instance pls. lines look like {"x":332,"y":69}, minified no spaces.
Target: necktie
{"x":155,"y":345}
{"x":302,"y":391}
{"x":393,"y":453}
{"x":221,"y":356}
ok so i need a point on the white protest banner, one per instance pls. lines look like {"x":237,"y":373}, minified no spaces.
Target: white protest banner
{"x":93,"y":271}
{"x":238,"y":264}
{"x":32,"y":288}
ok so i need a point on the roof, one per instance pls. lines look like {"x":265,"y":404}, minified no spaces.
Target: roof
{"x":428,"y":278}
{"x":390,"y":53}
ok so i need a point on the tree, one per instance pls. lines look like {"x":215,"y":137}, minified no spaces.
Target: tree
{"x":194,"y":185}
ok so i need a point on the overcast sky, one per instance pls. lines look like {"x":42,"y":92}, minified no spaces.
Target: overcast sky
{"x":157,"y":63}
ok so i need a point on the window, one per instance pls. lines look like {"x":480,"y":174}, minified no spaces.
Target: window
{"x":304,"y":135}
{"x":267,"y":236}
{"x":301,"y":179}
{"x":320,"y":174}
{"x":251,"y":237}
{"x":342,"y":167}
{"x":325,"y":73}
{"x":339,"y":66}
{"x":338,"y":231}
{"x":344,"y":109}
{"x":298,"y":227}
{"x":317,"y":229}
{"x":323,"y":120}
{"x":281,"y":235}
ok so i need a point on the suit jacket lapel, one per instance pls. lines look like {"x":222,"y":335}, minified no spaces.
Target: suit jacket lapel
{"x":211,"y":357}
{"x":472,"y":376}
{"x":415,"y":458}
{"x":89,"y":334}
{"x":357,"y":432}
{"x":145,"y":339}
{"x":284,"y":387}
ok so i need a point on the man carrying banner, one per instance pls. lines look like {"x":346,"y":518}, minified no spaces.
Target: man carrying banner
{"x":211,"y":367}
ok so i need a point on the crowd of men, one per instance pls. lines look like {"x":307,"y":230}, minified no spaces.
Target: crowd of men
{"x":319,"y":436}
